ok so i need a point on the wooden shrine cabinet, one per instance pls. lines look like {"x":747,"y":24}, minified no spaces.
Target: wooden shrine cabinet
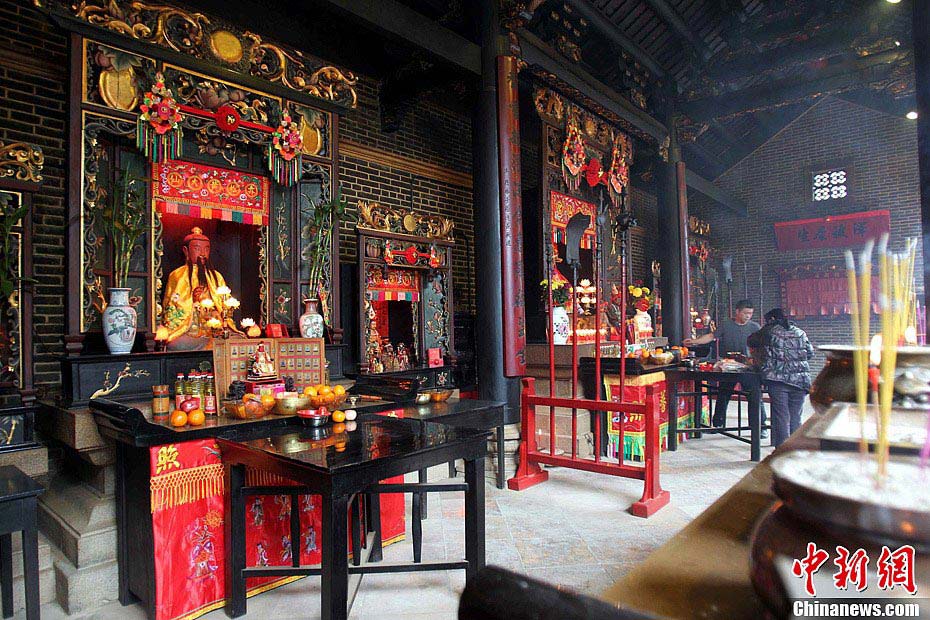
{"x":20,"y":177}
{"x":405,"y":292}
{"x":252,"y":156}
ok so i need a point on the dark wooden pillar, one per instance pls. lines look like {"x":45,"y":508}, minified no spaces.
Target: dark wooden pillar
{"x":489,"y":334}
{"x":921,"y":35}
{"x":682,"y":195}
{"x":673,"y":227}
{"x":508,"y":133}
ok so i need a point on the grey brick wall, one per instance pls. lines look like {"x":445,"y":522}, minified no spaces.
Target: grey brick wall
{"x":878,"y":150}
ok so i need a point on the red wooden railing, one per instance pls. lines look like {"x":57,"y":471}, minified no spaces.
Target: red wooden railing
{"x":530,"y":473}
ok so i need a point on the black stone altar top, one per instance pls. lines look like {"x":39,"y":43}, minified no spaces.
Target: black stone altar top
{"x":133,"y":423}
{"x":374,"y":438}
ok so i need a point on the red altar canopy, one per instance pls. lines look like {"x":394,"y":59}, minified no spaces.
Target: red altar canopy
{"x":211,"y":193}
{"x":835,"y":231}
{"x":561,"y":209}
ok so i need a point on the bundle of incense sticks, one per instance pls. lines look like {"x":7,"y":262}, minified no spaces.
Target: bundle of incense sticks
{"x":896,"y":277}
{"x":897,"y":307}
{"x":860,"y":313}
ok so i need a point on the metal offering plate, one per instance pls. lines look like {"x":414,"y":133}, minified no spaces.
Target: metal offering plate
{"x":841,"y":488}
{"x":838,"y":428}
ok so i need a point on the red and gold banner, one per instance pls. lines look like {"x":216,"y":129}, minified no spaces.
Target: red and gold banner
{"x":508,"y":124}
{"x":211,"y":193}
{"x":836,"y":231}
{"x":561,"y":209}
{"x":399,"y":285}
{"x":187,"y":488}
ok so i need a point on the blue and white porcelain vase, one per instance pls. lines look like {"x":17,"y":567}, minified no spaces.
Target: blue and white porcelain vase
{"x":119,"y":322}
{"x":561,"y":325}
{"x":311,"y":321}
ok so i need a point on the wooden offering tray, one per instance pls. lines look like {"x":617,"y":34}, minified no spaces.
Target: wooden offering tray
{"x":838,"y":428}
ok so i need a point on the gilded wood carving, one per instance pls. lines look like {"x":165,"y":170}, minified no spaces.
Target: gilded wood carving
{"x":21,"y":161}
{"x":374,"y":216}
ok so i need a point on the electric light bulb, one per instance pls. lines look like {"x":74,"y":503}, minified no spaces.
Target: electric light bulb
{"x":912,"y":115}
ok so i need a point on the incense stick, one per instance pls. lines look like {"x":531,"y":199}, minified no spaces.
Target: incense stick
{"x":860,"y":363}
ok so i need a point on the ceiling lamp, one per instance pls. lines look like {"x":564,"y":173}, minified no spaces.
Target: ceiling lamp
{"x":893,"y":1}
{"x":912,"y":115}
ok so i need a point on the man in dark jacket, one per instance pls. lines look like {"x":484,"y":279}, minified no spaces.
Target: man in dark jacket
{"x":784,"y":361}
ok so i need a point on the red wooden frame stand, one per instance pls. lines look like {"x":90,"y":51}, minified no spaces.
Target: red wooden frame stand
{"x":530,"y":473}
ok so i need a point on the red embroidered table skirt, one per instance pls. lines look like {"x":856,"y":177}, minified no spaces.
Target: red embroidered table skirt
{"x":187,"y":487}
{"x":634,"y":424}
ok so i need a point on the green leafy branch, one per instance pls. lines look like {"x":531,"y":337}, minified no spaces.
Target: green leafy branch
{"x":325,"y":218}
{"x":9,"y":217}
{"x":124,"y":219}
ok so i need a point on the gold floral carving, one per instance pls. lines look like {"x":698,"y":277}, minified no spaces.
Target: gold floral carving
{"x":374,"y":216}
{"x":195,"y":34}
{"x":108,"y":14}
{"x":21,"y":161}
{"x":288,"y":67}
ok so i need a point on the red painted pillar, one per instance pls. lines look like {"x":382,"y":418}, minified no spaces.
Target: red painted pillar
{"x":508,"y":137}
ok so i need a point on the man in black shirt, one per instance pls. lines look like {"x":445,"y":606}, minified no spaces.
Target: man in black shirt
{"x":731,"y":337}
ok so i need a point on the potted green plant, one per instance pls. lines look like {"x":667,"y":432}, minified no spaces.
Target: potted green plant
{"x":123,"y":216}
{"x":318,"y":231}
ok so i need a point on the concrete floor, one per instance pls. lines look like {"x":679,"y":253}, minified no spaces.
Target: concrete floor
{"x":573,"y":531}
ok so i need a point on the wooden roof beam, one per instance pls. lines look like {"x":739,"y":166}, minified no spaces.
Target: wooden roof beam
{"x":612,"y":32}
{"x":843,"y":76}
{"x":716,"y":193}
{"x":837,"y":39}
{"x":671,"y":17}
{"x":393,"y":18}
{"x":536,"y":52}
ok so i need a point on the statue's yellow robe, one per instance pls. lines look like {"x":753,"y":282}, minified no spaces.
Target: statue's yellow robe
{"x":178,"y":304}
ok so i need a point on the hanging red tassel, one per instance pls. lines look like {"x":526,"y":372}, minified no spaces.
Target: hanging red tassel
{"x":619,"y":175}
{"x":573,"y":153}
{"x":158,"y":129}
{"x":284,"y":151}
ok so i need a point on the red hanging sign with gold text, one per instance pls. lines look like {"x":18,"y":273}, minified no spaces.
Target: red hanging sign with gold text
{"x":206,"y":192}
{"x":836,"y":231}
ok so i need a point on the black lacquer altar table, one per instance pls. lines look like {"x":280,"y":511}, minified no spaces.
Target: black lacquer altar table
{"x":380,"y":448}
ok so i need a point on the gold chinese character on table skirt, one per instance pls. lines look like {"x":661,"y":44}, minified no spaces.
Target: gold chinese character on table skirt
{"x":167,"y":458}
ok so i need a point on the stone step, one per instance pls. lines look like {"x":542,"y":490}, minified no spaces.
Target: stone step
{"x":78,"y":521}
{"x":32,"y":462}
{"x":46,"y":573}
{"x":45,"y":553}
{"x":85,"y":589}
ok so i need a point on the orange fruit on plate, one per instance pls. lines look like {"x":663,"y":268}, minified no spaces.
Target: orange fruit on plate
{"x":246,"y":397}
{"x":339,"y":416}
{"x":339,"y":390}
{"x":196,"y":417}
{"x":310,"y":391}
{"x":267,"y":400}
{"x":329,"y":399}
{"x":178,"y":418}
{"x":323,"y":391}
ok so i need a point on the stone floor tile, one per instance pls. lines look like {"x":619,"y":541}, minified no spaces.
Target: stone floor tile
{"x":558,"y":551}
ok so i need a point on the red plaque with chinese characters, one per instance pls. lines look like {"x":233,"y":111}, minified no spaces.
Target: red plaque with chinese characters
{"x":837,"y":231}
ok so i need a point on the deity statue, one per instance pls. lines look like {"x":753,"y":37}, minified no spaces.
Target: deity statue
{"x":192,"y":297}
{"x":262,"y":365}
